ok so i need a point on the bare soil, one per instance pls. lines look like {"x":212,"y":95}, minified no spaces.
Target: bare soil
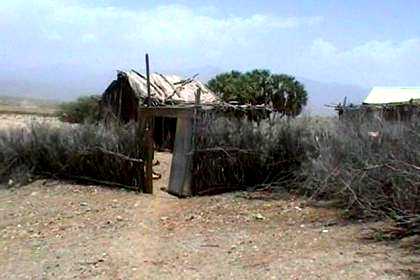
{"x":58,"y":230}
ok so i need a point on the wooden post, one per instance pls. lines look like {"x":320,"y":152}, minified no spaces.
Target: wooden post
{"x":194,"y":137}
{"x":197,"y":97}
{"x":148,"y":187}
{"x":141,"y":145}
{"x":195,"y":117}
{"x":149,"y":101}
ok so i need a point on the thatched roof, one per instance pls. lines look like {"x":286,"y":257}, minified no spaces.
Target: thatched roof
{"x":168,"y":88}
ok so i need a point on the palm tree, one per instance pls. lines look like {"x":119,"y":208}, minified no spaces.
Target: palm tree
{"x":283,"y":92}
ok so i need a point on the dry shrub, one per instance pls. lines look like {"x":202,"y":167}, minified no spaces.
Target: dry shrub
{"x":86,"y":109}
{"x":372,"y":166}
{"x":89,"y":153}
{"x":238,"y":153}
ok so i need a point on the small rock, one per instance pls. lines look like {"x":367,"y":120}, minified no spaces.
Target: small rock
{"x":324,"y":230}
{"x":83,"y":204}
{"x":258,"y":216}
{"x":119,"y":218}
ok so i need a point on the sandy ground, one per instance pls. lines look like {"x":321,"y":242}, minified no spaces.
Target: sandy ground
{"x":58,"y":230}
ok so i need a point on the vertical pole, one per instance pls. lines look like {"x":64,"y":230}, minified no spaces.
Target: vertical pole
{"x":195,"y":116}
{"x":148,"y":188}
{"x":191,"y":158}
{"x":149,"y":100}
{"x":197,"y":97}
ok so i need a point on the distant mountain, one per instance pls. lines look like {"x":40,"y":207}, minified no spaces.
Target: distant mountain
{"x":66,"y":83}
{"x":58,"y":82}
{"x":28,"y":89}
{"x":321,"y":94}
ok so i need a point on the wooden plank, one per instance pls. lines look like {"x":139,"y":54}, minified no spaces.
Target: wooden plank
{"x":180,"y":178}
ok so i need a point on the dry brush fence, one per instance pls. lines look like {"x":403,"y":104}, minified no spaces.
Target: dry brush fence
{"x":370,"y":165}
{"x":236,"y":152}
{"x":89,"y":153}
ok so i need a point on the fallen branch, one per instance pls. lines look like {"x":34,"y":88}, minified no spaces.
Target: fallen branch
{"x":124,"y":157}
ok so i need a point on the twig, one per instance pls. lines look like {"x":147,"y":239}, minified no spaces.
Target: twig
{"x":122,"y":156}
{"x":220,"y":149}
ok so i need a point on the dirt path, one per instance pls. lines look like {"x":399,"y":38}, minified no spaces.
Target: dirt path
{"x":52,"y":230}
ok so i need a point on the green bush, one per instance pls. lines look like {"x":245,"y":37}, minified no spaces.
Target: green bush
{"x":84,"y":109}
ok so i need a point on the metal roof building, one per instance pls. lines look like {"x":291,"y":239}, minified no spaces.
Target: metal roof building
{"x":392,"y":95}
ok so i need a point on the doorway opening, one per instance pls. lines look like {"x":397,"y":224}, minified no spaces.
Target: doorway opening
{"x":164,"y":133}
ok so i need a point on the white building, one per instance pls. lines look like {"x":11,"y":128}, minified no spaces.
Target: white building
{"x":392,"y":95}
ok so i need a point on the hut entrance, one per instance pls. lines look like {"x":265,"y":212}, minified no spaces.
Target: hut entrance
{"x":172,"y":128}
{"x":164,"y":133}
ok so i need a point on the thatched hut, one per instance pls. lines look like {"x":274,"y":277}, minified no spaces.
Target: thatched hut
{"x":181,"y":109}
{"x":125,"y":96}
{"x":128,"y":92}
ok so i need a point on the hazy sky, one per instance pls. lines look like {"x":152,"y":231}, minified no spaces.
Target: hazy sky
{"x":359,"y":42}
